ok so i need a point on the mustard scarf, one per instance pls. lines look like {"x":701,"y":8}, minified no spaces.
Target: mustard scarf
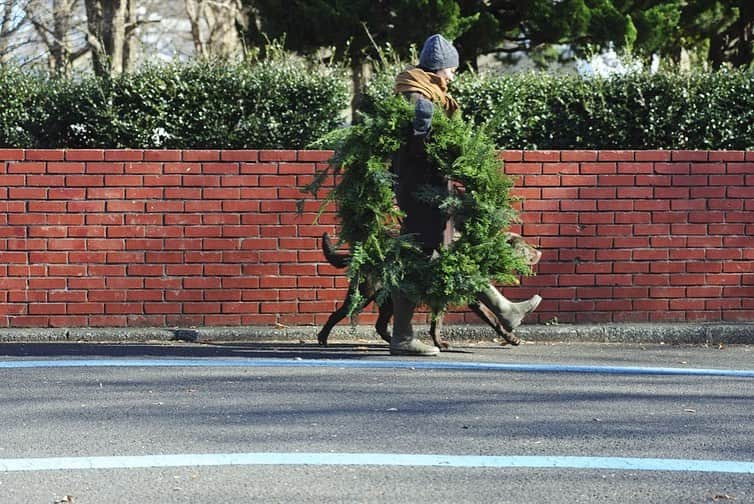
{"x":429,"y":85}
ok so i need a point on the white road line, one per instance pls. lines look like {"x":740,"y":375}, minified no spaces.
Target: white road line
{"x":375,"y":364}
{"x":375,"y":459}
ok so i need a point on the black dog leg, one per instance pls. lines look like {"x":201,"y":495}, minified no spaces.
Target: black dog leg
{"x":335,"y":317}
{"x":385,"y":312}
{"x":435,"y":329}
{"x":340,"y":314}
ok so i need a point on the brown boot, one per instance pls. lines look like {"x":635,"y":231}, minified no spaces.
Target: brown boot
{"x":403,"y":341}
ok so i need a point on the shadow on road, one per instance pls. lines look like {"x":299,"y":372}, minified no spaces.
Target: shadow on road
{"x":283,"y":350}
{"x":188,"y":350}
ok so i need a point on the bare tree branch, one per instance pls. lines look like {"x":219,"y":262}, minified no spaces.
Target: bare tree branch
{"x":55,"y":24}
{"x":10,"y":24}
{"x":213,"y":26}
{"x":132,"y":26}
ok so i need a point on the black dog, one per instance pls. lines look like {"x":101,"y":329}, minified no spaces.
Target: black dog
{"x":369,"y":292}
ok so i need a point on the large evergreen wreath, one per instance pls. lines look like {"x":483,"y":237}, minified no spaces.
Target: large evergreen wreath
{"x":370,"y":219}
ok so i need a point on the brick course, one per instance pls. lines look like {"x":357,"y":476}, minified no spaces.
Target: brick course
{"x":164,"y":238}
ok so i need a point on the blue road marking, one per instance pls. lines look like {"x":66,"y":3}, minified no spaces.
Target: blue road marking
{"x":377,"y":364}
{"x":375,"y":459}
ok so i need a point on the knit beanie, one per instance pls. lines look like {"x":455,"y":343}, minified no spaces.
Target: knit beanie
{"x":438,"y":53}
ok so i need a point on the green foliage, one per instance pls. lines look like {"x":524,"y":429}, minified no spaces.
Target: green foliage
{"x":479,"y":26}
{"x":536,"y":26}
{"x":701,"y":110}
{"x":370,"y":220}
{"x":310,"y":25}
{"x":264,"y":104}
{"x":72,"y":114}
{"x":720,"y":28}
{"x":657,"y":27}
{"x":16,"y":93}
{"x":287,"y":104}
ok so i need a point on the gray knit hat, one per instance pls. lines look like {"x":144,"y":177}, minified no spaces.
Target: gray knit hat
{"x":438,"y":53}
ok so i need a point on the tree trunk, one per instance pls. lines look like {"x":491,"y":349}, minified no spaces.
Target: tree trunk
{"x":95,"y":37}
{"x":106,"y":23}
{"x":744,"y":53}
{"x":129,"y":44}
{"x":467,"y":55}
{"x":361,"y":71}
{"x":716,"y":51}
{"x":59,"y":49}
{"x":193,"y":10}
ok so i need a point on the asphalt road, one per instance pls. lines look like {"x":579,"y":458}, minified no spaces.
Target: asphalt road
{"x":264,"y":400}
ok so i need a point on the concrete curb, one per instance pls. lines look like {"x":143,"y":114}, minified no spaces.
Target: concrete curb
{"x":703,"y":333}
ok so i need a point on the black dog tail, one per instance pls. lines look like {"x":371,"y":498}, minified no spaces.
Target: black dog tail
{"x":331,"y":253}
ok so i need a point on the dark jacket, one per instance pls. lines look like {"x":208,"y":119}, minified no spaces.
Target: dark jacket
{"x":413,"y":170}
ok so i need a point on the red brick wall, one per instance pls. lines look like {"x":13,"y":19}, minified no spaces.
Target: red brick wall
{"x":156,"y":238}
{"x":639,"y":235}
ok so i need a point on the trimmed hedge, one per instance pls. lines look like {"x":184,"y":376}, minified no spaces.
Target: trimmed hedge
{"x":287,"y":104}
{"x":702,"y":110}
{"x":180,"y":106}
{"x":17,"y":92}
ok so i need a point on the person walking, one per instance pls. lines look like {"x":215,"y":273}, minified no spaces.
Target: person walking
{"x":426,"y":87}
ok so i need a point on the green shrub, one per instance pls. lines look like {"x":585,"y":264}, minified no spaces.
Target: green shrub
{"x":283,"y":103}
{"x":17,"y":91}
{"x":266,"y":105}
{"x":703,"y":110}
{"x":71,"y":114}
{"x":270,"y":104}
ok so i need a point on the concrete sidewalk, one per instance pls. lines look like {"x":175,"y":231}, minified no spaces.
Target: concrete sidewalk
{"x":671,"y":333}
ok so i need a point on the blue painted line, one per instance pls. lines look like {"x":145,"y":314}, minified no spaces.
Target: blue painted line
{"x":375,"y":459}
{"x":376,"y":364}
